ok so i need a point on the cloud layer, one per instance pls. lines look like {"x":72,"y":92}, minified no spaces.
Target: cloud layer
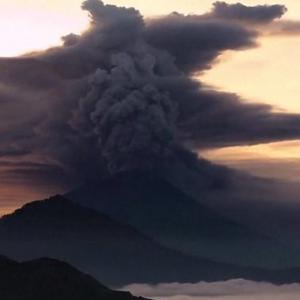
{"x":234,"y":289}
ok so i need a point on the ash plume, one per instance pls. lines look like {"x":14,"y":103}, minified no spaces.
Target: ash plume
{"x":123,"y":93}
{"x":130,"y":116}
{"x":253,"y":14}
{"x":132,"y":119}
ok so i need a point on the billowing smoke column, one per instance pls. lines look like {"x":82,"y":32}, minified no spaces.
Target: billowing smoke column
{"x":123,"y":93}
{"x":132,"y":119}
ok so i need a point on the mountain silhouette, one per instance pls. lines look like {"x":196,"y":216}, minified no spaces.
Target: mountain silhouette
{"x":114,"y":254}
{"x":48,"y":279}
{"x":173,"y":219}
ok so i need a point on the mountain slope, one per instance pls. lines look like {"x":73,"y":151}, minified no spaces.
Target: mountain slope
{"x":51,"y":280}
{"x":175,"y":220}
{"x":114,"y":254}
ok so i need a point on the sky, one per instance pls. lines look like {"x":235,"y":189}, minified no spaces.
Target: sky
{"x":207,"y":96}
{"x":265,"y":74}
{"x":204,"y":94}
{"x":271,"y":75}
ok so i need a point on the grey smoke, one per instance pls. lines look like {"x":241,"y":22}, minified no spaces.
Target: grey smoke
{"x":132,"y":119}
{"x":255,"y":14}
{"x":196,"y":41}
{"x":122,"y":93}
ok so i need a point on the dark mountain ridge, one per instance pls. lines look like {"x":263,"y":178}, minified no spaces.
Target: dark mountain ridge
{"x":114,"y":254}
{"x":47,"y":279}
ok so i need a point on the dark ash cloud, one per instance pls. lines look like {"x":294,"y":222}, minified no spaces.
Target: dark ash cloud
{"x":213,"y":119}
{"x":285,"y":28}
{"x":123,"y":93}
{"x":195,"y":41}
{"x":240,"y":12}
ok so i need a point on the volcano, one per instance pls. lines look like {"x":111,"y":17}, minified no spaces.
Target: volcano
{"x":170,"y":217}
